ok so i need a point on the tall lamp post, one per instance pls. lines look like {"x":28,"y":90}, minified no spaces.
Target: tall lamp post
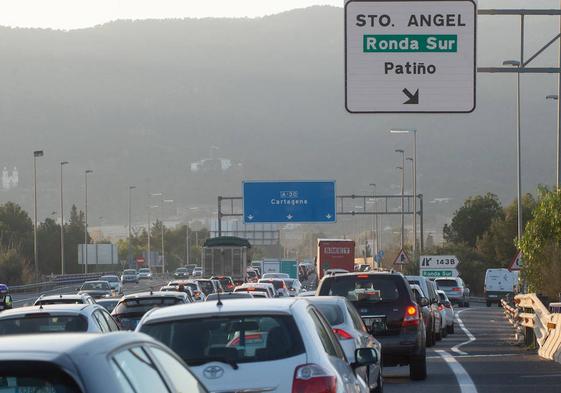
{"x":558,"y":163}
{"x":374,"y":223}
{"x":130,"y":230}
{"x":86,"y":172}
{"x":414,"y":133}
{"x":36,"y":154}
{"x":402,"y":167}
{"x":62,"y":164}
{"x":412,"y":161}
{"x":516,"y":63}
{"x":149,"y":233}
{"x":164,"y":201}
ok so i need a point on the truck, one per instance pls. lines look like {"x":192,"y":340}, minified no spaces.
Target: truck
{"x":226,"y":256}
{"x":271,"y":265}
{"x":499,"y":283}
{"x":335,"y":254}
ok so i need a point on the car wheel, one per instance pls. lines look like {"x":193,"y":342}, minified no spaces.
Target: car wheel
{"x":450,"y":329}
{"x":418,"y":367}
{"x":467,"y":304}
{"x":430,"y":340}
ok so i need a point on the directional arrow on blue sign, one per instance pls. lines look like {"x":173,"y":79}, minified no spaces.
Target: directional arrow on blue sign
{"x":289,"y":201}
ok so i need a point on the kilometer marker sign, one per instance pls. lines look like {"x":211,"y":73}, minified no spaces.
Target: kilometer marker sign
{"x":410,"y":56}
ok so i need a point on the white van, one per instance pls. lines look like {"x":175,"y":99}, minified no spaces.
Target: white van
{"x":498,"y":284}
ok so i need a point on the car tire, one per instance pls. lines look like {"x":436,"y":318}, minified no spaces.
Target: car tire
{"x":450,"y":329}
{"x":418,"y":367}
{"x":430,"y":340}
{"x":467,"y":304}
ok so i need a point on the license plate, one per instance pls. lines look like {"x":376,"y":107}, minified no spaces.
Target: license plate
{"x":492,"y":295}
{"x":377,"y":324}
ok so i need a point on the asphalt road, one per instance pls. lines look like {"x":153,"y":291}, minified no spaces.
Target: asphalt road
{"x":483,"y":358}
{"x":27,"y":299}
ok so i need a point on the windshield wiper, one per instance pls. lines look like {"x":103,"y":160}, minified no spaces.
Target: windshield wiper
{"x":199,"y":362}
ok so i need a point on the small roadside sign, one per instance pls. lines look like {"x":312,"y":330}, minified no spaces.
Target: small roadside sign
{"x":402,"y":258}
{"x":516,"y":264}
{"x":434,"y":262}
{"x":410,"y":56}
{"x":439,"y":273}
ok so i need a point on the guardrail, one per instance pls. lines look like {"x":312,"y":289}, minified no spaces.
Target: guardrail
{"x":57,"y":281}
{"x":536,"y":323}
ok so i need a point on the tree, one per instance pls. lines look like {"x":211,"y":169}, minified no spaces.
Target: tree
{"x":73,"y":236}
{"x":541,"y":245}
{"x":16,"y":229}
{"x":13,"y":269}
{"x":497,"y":245}
{"x":48,"y":245}
{"x":473,"y":219}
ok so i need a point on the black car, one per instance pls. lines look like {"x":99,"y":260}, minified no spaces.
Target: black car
{"x":181,"y":272}
{"x":96,"y":289}
{"x":389,"y":310}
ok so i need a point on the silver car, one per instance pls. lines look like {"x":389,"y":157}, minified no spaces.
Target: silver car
{"x":352,"y":334}
{"x":92,"y":363}
{"x":58,"y":318}
{"x":114,"y":282}
{"x":82,"y":298}
{"x":447,"y":310}
{"x":455,"y":289}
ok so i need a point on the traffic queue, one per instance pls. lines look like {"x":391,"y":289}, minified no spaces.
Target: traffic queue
{"x":213,"y":334}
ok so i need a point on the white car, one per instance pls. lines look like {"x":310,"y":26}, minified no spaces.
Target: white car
{"x":272,"y":345}
{"x":196,"y":290}
{"x":447,"y":310}
{"x":114,"y":282}
{"x":293,"y":285}
{"x":275,"y":275}
{"x":268,"y":289}
{"x":280,"y":287}
{"x":145,"y":273}
{"x":83,"y":298}
{"x":58,"y":318}
{"x":352,"y":334}
{"x":129,"y":275}
{"x":197,"y":272}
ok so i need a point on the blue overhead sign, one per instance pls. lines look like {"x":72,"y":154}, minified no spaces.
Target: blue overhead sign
{"x":289,"y":201}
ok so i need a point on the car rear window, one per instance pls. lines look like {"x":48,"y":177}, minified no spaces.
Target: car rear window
{"x":362,"y":288}
{"x":27,"y":324}
{"x":332,"y":313}
{"x":129,"y":312}
{"x":276,"y":283}
{"x":32,"y":376}
{"x":96,"y":286}
{"x":58,"y":301}
{"x":237,"y":339}
{"x":442,"y":297}
{"x":446,"y":283}
{"x":206,"y":286}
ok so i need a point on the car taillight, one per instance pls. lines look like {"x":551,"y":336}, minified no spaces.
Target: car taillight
{"x":411,"y":317}
{"x":440,"y":307}
{"x":456,"y":289}
{"x":229,"y":286}
{"x":311,"y":378}
{"x":342,"y":334}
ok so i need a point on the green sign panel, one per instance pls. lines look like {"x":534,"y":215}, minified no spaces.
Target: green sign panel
{"x":437,"y":273}
{"x":392,"y":43}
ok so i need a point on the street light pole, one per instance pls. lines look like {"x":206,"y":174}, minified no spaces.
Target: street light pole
{"x":86,"y":172}
{"x":36,"y":153}
{"x":374,"y":223}
{"x":163,"y":233}
{"x":130,"y":230}
{"x":516,"y":63}
{"x":558,"y":158}
{"x":62,"y":164}
{"x":412,"y":161}
{"x":402,"y":167}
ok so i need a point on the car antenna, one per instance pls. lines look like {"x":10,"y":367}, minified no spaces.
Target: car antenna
{"x":219,"y":303}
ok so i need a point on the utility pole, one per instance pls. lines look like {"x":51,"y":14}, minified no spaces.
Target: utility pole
{"x":86,"y":240}
{"x":129,"y":257}
{"x":402,"y":167}
{"x":36,"y":154}
{"x":62,"y":164}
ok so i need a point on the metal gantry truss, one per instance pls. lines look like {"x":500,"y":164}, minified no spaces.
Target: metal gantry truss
{"x":370,"y":205}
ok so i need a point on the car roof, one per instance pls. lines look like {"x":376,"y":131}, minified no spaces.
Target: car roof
{"x":72,"y":344}
{"x":153,"y":294}
{"x":94,"y":281}
{"x":326,"y":299}
{"x":63,"y":296}
{"x":249,"y":306}
{"x":48,"y":308}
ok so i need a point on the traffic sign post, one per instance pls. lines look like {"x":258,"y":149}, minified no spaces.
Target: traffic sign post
{"x":435,"y":266}
{"x":402,"y":258}
{"x":289,"y":201}
{"x":410,"y":56}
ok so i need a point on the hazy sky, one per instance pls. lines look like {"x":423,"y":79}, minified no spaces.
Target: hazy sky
{"x":72,"y":14}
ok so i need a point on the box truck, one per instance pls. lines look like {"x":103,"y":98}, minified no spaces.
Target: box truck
{"x":335,"y":254}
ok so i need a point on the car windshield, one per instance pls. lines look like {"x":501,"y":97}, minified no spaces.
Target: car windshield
{"x":128,"y":312}
{"x":144,"y":270}
{"x":332,"y":313}
{"x":446,"y":283}
{"x":109,"y":305}
{"x":30,"y":324}
{"x":110,"y":278}
{"x":359,"y":288}
{"x":235,"y":339}
{"x":98,"y":285}
{"x":129,"y":272}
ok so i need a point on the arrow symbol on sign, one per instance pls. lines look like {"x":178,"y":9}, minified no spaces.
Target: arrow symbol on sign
{"x":289,"y":216}
{"x":413,"y":98}
{"x":328,"y":216}
{"x":250,"y":217}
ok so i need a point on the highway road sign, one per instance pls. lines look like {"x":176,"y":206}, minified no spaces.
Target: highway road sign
{"x":402,"y":258}
{"x":439,"y":273}
{"x":516,"y":263}
{"x":435,"y":262}
{"x":410,"y":56}
{"x":289,"y":201}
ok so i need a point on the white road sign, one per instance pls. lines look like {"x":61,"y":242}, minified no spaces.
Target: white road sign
{"x":435,"y":262}
{"x":516,"y":264}
{"x":410,"y":56}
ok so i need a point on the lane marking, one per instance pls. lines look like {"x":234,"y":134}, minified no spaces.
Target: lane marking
{"x":464,"y":380}
{"x":480,"y":356}
{"x":471,"y":337}
{"x":541,"y":376}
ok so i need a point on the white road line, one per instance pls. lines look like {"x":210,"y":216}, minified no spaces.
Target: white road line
{"x":464,"y":380}
{"x":471,"y":337}
{"x":497,"y":355}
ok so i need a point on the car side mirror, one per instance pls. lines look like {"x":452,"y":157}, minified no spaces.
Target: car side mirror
{"x":424,"y":302}
{"x":365,"y":357}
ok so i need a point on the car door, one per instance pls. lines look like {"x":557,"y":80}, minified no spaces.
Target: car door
{"x":335,"y":353}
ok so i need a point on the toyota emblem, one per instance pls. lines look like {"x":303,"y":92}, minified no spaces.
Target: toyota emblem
{"x":213,"y":372}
